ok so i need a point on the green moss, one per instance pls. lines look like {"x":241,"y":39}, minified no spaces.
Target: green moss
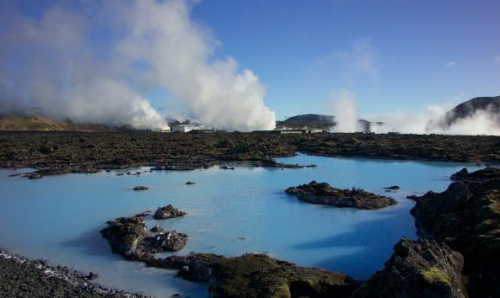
{"x":435,"y":275}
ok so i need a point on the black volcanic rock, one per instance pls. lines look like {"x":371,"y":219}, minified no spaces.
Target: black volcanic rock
{"x":324,"y":194}
{"x":488,"y":105}
{"x":417,"y":269}
{"x":467,"y":217}
{"x":168,"y":212}
{"x":129,"y":237}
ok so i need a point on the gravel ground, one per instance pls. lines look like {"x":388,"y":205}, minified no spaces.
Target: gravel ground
{"x":21,"y":277}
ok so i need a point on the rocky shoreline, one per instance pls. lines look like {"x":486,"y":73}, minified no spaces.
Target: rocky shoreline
{"x":467,"y":218}
{"x":324,"y":194}
{"x":25,"y":278}
{"x":56,"y":153}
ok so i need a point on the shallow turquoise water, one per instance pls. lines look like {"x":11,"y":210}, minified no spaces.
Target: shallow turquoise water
{"x":229,"y":212}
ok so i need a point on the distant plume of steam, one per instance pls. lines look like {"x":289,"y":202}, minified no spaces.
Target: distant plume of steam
{"x":344,"y":108}
{"x":432,"y":119}
{"x":54,"y":63}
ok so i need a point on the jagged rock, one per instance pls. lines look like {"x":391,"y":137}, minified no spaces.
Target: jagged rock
{"x":168,"y":212}
{"x":129,"y":237}
{"x":126,"y":235}
{"x":417,"y":269}
{"x":190,"y":183}
{"x":467,"y":217}
{"x":141,"y":188}
{"x":257,"y":275}
{"x":169,"y":241}
{"x":324,"y":194}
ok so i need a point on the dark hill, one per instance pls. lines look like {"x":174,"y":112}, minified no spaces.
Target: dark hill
{"x":489,"y":105}
{"x":325,"y":122}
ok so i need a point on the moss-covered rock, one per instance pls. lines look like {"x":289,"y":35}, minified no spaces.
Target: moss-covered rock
{"x":258,"y":276}
{"x":417,"y":269}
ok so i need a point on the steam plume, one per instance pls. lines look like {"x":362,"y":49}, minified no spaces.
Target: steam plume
{"x":482,"y":122}
{"x":345,"y":111}
{"x":54,"y":64}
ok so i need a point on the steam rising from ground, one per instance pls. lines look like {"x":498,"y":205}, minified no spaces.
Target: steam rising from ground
{"x":54,"y":65}
{"x":430,"y":119}
{"x":345,"y":111}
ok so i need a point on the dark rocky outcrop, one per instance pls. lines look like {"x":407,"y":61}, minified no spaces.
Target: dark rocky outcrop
{"x":258,"y":276}
{"x":417,"y":269}
{"x":129,"y":237}
{"x":168,"y":212}
{"x":467,"y":217}
{"x":324,"y":194}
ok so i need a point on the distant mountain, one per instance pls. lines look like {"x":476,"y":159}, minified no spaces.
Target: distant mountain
{"x":41,"y":123}
{"x":319,"y":121}
{"x":488,"y":105}
{"x":309,"y":120}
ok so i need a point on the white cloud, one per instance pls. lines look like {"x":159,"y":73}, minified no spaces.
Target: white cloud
{"x":360,"y":60}
{"x":353,"y":64}
{"x":451,"y":63}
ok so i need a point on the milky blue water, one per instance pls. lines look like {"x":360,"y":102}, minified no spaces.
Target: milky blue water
{"x":229,"y":212}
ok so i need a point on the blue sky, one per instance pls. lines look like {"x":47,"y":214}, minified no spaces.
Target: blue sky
{"x":393,"y":55}
{"x":423,"y":52}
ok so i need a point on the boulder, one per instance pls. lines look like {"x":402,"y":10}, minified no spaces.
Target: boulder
{"x":169,"y":241}
{"x":126,"y":235}
{"x":129,"y":237}
{"x":168,"y":212}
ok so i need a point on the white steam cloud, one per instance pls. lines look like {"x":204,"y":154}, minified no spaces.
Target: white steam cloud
{"x":482,"y":122}
{"x":54,"y":64}
{"x":345,"y":111}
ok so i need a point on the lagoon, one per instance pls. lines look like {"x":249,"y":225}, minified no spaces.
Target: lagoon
{"x":230,"y":212}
